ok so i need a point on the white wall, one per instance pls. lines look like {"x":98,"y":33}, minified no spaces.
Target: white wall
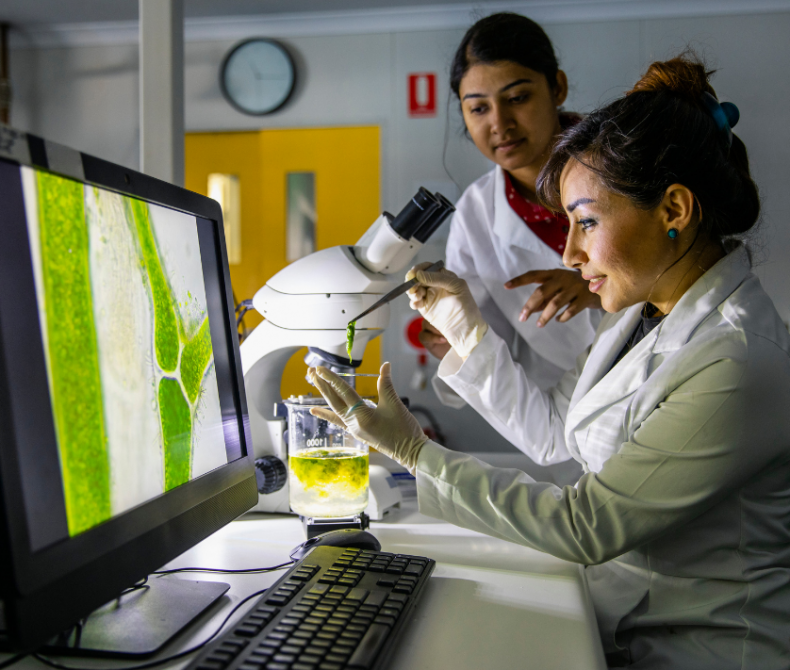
{"x":87,"y":97}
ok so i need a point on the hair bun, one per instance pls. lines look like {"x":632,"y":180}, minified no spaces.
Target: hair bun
{"x":684,"y":76}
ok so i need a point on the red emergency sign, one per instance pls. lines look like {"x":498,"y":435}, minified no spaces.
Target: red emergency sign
{"x":422,"y":94}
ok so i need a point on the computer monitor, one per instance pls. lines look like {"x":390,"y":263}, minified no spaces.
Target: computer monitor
{"x":124,"y":435}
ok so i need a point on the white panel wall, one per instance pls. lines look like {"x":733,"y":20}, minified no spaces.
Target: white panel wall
{"x":87,"y":98}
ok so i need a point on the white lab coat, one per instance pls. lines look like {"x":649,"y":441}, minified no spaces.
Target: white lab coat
{"x":683,"y":516}
{"x":488,"y":245}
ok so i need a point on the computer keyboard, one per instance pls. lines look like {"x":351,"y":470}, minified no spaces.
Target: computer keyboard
{"x":337,"y":608}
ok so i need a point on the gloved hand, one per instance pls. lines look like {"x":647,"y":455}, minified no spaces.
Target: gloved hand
{"x":388,"y":427}
{"x":447,"y":304}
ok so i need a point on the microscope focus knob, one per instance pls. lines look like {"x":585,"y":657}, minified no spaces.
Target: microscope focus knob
{"x":270,"y":474}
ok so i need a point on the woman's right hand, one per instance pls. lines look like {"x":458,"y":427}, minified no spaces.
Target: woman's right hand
{"x":435,"y":343}
{"x":444,"y":299}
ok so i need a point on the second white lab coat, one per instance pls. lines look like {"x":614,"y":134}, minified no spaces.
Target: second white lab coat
{"x":488,"y":245}
{"x":683,"y":515}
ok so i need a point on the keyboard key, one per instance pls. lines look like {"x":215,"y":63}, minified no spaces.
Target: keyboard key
{"x":397,"y":597}
{"x":289,"y":650}
{"x":348,"y":582}
{"x":389,"y":582}
{"x":319,"y":589}
{"x":386,"y":620}
{"x":413,"y":569}
{"x":297,"y":642}
{"x":326,"y":665}
{"x":284,"y":658}
{"x":303,"y":634}
{"x":403,"y":589}
{"x":369,"y":647}
{"x":277,"y":600}
{"x":278,"y":635}
{"x":357,"y":594}
{"x":310,"y":658}
{"x":336,"y":658}
{"x":303,"y":666}
{"x":344,"y":649}
{"x":387,"y":611}
{"x":394,"y":570}
{"x":277,"y":666}
{"x":340,"y":590}
{"x":376,"y":598}
{"x":314,"y":650}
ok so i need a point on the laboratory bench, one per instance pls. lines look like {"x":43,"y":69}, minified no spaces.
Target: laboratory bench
{"x":488,"y":604}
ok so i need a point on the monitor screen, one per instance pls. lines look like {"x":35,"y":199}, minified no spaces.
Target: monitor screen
{"x":125,"y":331}
{"x":124,"y":433}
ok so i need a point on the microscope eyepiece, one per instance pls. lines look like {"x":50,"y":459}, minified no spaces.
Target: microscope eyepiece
{"x":435,"y":219}
{"x":415,"y":213}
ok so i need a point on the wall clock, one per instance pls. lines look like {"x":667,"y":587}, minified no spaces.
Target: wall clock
{"x":257,"y":76}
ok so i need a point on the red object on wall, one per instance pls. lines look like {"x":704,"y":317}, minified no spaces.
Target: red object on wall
{"x":413,"y":332}
{"x":422,"y":94}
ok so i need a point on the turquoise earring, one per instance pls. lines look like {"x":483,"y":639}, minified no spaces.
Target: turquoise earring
{"x":673,"y":233}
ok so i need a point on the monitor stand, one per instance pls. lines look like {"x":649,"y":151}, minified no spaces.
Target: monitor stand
{"x":141,"y":622}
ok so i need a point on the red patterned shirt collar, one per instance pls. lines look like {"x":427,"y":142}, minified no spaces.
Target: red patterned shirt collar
{"x":551,"y":228}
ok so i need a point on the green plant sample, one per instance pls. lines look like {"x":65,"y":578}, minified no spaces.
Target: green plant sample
{"x":195,"y":359}
{"x":72,"y":352}
{"x":317,"y":469}
{"x":166,"y":328}
{"x":351,"y":330}
{"x":176,"y":417}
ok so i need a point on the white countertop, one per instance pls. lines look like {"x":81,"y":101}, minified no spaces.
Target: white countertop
{"x":489,"y":603}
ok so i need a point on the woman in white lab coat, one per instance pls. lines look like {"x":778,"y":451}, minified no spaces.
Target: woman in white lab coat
{"x":678,"y":412}
{"x":510,"y":88}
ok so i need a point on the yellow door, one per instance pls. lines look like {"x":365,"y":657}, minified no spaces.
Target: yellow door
{"x":345,"y":162}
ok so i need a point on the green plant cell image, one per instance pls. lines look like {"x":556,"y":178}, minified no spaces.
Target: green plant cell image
{"x":127,"y":343}
{"x":176,"y":419}
{"x":72,"y":352}
{"x":166,"y":325}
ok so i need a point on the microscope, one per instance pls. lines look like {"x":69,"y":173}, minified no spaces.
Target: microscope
{"x":309,"y":304}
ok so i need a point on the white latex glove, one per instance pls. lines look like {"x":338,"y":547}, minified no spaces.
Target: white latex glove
{"x":446,"y":302}
{"x":388,"y":427}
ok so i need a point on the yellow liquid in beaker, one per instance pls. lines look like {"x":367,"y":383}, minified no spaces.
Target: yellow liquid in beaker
{"x":328,"y":482}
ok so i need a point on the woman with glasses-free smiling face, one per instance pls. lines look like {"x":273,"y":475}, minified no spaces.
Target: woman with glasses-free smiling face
{"x":503,"y":241}
{"x":625,"y":252}
{"x":510,"y":112}
{"x":677,"y":412}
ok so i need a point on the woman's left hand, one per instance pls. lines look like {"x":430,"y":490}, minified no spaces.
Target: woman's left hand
{"x":557,"y":289}
{"x":388,"y":427}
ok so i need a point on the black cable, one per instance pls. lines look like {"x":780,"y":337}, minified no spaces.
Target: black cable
{"x":248,"y":571}
{"x":14,"y":659}
{"x":153,"y":664}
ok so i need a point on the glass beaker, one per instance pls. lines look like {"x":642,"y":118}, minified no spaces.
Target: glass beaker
{"x":327,"y":467}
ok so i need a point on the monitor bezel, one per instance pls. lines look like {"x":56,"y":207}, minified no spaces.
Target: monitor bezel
{"x":100,"y":562}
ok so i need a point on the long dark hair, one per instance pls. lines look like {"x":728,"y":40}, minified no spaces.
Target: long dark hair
{"x":505,"y":37}
{"x":661,"y":134}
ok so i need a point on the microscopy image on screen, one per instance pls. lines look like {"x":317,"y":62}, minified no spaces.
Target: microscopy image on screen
{"x":122,"y":305}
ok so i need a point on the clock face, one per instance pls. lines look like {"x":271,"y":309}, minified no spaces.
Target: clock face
{"x":257,"y":76}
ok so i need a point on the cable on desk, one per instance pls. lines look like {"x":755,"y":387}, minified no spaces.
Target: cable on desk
{"x":150,"y":664}
{"x":246,"y":571}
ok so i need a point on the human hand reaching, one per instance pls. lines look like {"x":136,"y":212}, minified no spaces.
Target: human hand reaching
{"x":444,"y":300}
{"x":557,"y":288}
{"x":388,"y":427}
{"x":434,"y":342}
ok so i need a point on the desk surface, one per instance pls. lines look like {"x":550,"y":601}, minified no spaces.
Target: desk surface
{"x":489,"y":603}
